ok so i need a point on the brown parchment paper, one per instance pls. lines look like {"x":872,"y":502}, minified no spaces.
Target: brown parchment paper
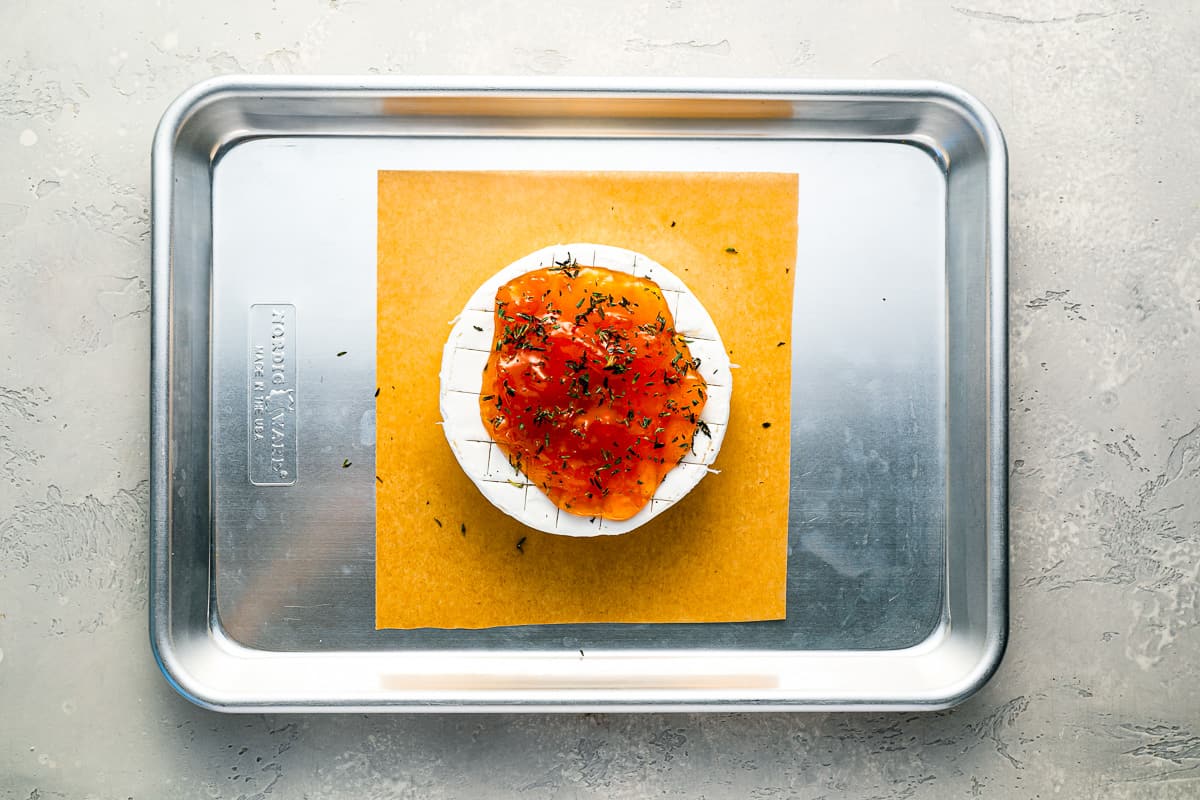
{"x":447,"y":558}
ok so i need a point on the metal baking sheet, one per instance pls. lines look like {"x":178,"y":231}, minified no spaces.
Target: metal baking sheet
{"x":264,"y":218}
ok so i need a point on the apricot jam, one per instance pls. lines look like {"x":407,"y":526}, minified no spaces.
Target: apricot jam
{"x":588,"y":388}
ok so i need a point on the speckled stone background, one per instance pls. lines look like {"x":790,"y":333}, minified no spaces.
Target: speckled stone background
{"x":1098,"y":694}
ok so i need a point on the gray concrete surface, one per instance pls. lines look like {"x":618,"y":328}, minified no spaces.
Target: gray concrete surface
{"x":1098,"y":694}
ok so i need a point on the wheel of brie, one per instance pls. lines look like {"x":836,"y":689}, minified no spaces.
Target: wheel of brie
{"x":585,"y":390}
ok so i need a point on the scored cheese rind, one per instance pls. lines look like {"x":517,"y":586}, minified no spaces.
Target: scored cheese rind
{"x":465,"y":357}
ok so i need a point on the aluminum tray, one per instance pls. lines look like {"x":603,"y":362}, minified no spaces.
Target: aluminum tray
{"x":262,"y":596}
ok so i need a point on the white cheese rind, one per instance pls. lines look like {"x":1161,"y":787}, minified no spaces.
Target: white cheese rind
{"x":465,"y":357}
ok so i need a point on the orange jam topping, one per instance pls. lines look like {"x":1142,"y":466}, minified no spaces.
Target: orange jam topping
{"x":588,"y":389}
